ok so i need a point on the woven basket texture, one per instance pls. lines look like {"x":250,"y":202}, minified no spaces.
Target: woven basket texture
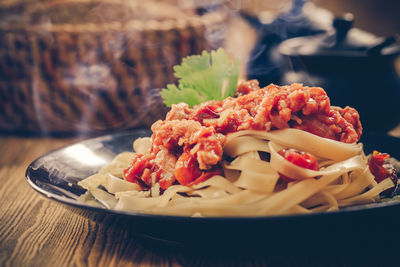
{"x":92,"y":76}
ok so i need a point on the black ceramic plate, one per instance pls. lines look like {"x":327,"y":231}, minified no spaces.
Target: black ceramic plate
{"x":56,"y":175}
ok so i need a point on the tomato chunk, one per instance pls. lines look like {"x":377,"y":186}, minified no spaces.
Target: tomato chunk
{"x":139,"y":171}
{"x":207,"y":112}
{"x":134,"y":171}
{"x":302,"y":159}
{"x":164,"y":179}
{"x":186,"y":169}
{"x":382,"y":170}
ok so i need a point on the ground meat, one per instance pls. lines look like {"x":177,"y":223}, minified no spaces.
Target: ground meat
{"x":179,"y":111}
{"x":247,"y":87}
{"x":279,"y":107}
{"x":199,"y":133}
{"x":203,"y":143}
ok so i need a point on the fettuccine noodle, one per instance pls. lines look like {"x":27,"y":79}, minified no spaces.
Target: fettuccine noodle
{"x":250,"y":185}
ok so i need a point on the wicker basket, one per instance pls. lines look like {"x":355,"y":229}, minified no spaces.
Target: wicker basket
{"x":94,"y":75}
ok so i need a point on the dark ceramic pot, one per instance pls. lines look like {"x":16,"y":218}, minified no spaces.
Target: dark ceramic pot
{"x":356,"y":69}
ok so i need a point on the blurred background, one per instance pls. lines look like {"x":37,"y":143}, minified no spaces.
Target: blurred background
{"x":88,"y":67}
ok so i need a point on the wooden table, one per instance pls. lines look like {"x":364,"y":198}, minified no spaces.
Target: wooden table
{"x":36,"y":231}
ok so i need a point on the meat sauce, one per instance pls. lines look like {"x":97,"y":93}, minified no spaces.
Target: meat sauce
{"x":187,"y":146}
{"x":381,"y":169}
{"x":299,"y":158}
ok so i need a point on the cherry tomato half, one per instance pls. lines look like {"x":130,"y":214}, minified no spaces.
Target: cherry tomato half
{"x":186,"y":169}
{"x":299,"y":158}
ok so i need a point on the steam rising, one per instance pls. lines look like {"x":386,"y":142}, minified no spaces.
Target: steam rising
{"x":97,"y":66}
{"x":301,"y":19}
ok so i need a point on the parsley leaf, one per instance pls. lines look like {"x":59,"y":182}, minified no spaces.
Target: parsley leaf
{"x":209,"y":76}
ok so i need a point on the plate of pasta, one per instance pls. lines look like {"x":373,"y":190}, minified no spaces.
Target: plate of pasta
{"x":233,"y":160}
{"x":57,"y":174}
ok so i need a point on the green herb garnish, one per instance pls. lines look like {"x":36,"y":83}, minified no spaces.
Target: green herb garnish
{"x":209,"y":76}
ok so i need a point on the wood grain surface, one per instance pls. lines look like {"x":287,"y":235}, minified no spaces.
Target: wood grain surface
{"x":37,"y":231}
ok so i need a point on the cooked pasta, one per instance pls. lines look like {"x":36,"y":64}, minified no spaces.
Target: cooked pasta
{"x":268,"y":151}
{"x":251,"y":183}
